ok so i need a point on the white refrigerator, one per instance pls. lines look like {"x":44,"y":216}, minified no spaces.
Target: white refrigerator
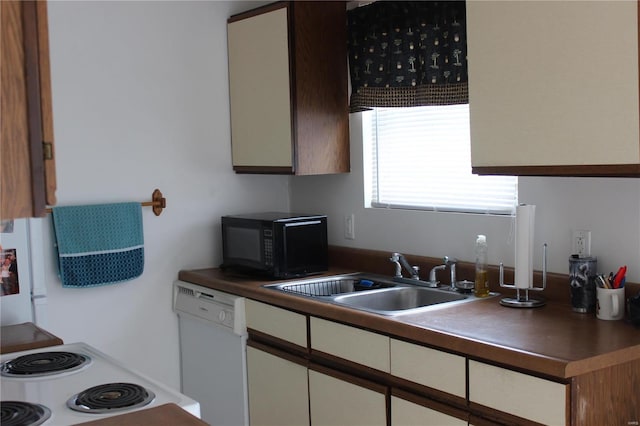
{"x":23,"y":292}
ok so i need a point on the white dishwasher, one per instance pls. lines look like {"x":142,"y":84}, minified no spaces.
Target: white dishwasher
{"x":213,"y":348}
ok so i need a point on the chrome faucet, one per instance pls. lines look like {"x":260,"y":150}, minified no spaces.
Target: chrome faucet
{"x":433,"y":281}
{"x":451,"y":263}
{"x":401,"y":262}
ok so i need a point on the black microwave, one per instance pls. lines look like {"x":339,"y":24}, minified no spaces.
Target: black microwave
{"x":276,"y":245}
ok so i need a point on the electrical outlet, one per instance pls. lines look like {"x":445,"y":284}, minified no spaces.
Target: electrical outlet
{"x":581,"y":243}
{"x":349,"y":227}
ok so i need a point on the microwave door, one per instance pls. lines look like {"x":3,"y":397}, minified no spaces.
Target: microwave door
{"x":305,"y":248}
{"x":243,"y":246}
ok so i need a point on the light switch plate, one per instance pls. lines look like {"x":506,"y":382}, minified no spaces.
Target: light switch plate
{"x":349,"y":227}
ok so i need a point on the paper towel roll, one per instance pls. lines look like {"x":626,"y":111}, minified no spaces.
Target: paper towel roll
{"x":525,"y":223}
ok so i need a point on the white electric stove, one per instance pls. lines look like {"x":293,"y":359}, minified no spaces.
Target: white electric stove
{"x":88,"y":385}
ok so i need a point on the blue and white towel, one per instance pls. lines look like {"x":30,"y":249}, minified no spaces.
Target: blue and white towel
{"x":99,"y":244}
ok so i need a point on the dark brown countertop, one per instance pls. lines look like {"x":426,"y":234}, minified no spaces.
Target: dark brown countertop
{"x":163,"y":415}
{"x":551,"y":340}
{"x":26,"y":336}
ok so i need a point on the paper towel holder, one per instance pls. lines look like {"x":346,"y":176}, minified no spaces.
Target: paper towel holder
{"x":525,"y":301}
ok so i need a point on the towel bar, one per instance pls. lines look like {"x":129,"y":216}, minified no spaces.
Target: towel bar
{"x":158,"y":202}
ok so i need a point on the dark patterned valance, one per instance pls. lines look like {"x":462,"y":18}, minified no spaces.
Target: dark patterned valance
{"x":408,"y":53}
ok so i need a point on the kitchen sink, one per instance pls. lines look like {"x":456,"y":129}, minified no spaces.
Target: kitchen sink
{"x":392,"y":300}
{"x":334,"y":285}
{"x":374,"y":293}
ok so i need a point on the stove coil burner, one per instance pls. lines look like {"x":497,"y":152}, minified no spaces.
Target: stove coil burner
{"x":111,"y":397}
{"x":20,"y":413}
{"x":43,"y":364}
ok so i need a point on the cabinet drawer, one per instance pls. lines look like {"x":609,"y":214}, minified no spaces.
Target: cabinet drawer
{"x":350,"y":343}
{"x":518,"y":394}
{"x":429,"y":367}
{"x":277,"y":322}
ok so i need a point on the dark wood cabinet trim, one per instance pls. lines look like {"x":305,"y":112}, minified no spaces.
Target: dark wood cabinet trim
{"x":263,"y":170}
{"x":611,"y":395}
{"x":430,"y":403}
{"x":291,"y":26}
{"x":319,"y":87}
{"x":348,"y":367}
{"x":349,"y":378}
{"x":596,"y":170}
{"x":267,"y":339}
{"x":278,"y":352}
{"x":258,"y":11}
{"x":34,"y":109}
{"x":46,"y":102}
{"x":489,"y":416}
{"x":426,"y":392}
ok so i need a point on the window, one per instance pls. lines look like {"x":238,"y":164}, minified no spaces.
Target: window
{"x":419,"y":158}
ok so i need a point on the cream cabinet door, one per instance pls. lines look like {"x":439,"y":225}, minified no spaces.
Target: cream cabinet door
{"x":259,"y":90}
{"x":529,"y":397}
{"x":335,"y":402}
{"x":350,"y":343}
{"x":429,"y":367}
{"x":406,"y":413}
{"x":278,"y":392}
{"x":277,"y":322}
{"x":553,"y":83}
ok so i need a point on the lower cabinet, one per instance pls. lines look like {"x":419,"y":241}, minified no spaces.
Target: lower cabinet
{"x":278,"y":390}
{"x":337,"y":402}
{"x":407,"y":413}
{"x":285,"y":392}
{"x":337,"y":374}
{"x":518,"y":394}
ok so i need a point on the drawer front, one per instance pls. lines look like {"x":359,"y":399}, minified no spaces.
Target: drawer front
{"x":350,"y":343}
{"x":429,"y":367}
{"x":278,"y":390}
{"x":406,"y":413}
{"x":277,"y":322}
{"x":519,"y":394}
{"x":336,"y":402}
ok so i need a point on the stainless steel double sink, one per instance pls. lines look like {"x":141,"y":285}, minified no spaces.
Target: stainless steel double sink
{"x":374,"y":293}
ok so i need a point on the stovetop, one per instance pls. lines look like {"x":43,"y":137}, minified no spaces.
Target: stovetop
{"x":60,"y":391}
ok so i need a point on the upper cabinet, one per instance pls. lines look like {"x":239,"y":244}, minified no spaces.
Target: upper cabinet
{"x":553,"y":87}
{"x":288,"y":89}
{"x":27,"y":169}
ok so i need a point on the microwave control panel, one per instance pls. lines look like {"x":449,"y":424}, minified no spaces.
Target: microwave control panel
{"x":268,"y":246}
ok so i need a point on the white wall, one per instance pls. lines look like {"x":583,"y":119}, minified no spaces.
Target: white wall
{"x":140,"y":99}
{"x":610,"y":208}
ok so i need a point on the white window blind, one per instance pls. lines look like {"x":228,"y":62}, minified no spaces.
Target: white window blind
{"x":421,"y":159}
